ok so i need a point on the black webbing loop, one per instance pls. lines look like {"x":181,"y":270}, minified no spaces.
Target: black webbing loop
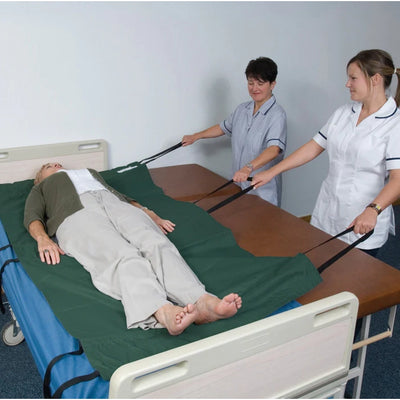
{"x":9,"y":261}
{"x":47,"y":375}
{"x":341,"y":253}
{"x":230,"y":199}
{"x":78,"y":379}
{"x":5,"y":247}
{"x":160,"y":154}
{"x":333,"y":237}
{"x":219,"y":188}
{"x":325,"y":265}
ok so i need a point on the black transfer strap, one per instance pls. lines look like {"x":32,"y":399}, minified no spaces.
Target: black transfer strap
{"x":230,"y":199}
{"x":333,"y":237}
{"x":341,"y":253}
{"x":160,"y":154}
{"x":219,"y":188}
{"x":325,"y":265}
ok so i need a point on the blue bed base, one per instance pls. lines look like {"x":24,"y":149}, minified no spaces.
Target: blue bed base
{"x":44,"y":334}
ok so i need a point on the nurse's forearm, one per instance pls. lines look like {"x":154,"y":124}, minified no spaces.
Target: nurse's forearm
{"x":212,"y":132}
{"x":301,"y":156}
{"x":265,"y":157}
{"x":391,"y":191}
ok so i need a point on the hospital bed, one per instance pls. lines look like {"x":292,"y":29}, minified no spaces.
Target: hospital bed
{"x":304,"y":351}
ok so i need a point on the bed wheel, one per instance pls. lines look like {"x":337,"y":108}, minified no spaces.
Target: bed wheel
{"x":12,"y":334}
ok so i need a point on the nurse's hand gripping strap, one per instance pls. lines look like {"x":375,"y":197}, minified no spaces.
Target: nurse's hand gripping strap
{"x":47,"y":377}
{"x":341,"y":253}
{"x":9,"y":261}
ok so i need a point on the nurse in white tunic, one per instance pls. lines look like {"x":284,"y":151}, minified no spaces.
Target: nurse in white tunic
{"x":363,"y":144}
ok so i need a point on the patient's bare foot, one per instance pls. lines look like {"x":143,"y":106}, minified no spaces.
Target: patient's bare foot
{"x":176,"y":319}
{"x":211,"y":308}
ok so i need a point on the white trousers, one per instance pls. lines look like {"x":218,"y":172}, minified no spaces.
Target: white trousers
{"x":128,"y":257}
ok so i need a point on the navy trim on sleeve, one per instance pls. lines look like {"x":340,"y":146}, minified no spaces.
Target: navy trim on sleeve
{"x":323,"y":136}
{"x":227,"y":128}
{"x":278,"y":140}
{"x":393,"y":158}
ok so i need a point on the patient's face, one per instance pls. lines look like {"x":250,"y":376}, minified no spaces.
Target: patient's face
{"x":49,"y":169}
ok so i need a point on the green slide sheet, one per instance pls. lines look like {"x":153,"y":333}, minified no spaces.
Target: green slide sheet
{"x":98,"y":321}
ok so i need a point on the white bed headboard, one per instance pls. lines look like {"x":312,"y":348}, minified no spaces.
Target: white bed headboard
{"x":22,"y":163}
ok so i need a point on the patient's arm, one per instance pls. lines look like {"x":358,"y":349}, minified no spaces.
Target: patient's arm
{"x":164,"y":224}
{"x":49,"y":251}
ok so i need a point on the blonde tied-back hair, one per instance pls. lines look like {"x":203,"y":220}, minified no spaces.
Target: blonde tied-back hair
{"x":380,"y":62}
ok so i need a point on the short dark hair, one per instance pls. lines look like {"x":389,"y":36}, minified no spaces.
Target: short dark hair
{"x":262,"y":68}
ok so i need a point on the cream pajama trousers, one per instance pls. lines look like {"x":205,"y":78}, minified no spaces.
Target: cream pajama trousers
{"x":128,"y":257}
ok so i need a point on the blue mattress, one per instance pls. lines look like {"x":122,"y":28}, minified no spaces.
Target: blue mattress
{"x":44,"y":334}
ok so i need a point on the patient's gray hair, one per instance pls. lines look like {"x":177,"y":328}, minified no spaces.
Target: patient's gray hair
{"x":38,"y":177}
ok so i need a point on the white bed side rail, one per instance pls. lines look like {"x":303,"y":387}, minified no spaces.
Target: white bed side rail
{"x":303,"y":352}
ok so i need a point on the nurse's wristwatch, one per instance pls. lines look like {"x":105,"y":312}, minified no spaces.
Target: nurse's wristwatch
{"x":376,"y":207}
{"x":250,"y":166}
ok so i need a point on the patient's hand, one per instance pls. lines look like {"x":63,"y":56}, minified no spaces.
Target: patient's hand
{"x":165,"y":225}
{"x":50,"y":252}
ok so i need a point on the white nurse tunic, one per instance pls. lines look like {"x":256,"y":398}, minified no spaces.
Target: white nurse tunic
{"x":360,"y":158}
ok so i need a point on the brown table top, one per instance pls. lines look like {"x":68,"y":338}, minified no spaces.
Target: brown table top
{"x":266,"y":230}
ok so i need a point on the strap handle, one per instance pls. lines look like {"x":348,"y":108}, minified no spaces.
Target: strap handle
{"x":219,"y":188}
{"x":160,"y":154}
{"x":230,"y":199}
{"x":333,"y":237}
{"x":341,"y":253}
{"x":325,"y":265}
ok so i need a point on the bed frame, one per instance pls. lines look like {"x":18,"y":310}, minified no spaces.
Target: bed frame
{"x":303,"y":352}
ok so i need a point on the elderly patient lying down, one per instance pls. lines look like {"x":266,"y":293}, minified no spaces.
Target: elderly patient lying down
{"x":124,"y":248}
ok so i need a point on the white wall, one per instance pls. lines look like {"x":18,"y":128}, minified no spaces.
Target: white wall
{"x":143,"y":74}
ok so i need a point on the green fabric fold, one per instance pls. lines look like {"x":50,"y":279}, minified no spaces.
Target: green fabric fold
{"x":98,"y":321}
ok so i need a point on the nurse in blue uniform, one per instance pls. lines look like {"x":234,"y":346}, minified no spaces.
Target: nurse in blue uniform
{"x":257,"y":130}
{"x":363,"y":144}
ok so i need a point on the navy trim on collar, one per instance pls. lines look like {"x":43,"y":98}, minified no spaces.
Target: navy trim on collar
{"x":273,"y":103}
{"x":377,"y":117}
{"x":388,"y":116}
{"x":250,"y":105}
